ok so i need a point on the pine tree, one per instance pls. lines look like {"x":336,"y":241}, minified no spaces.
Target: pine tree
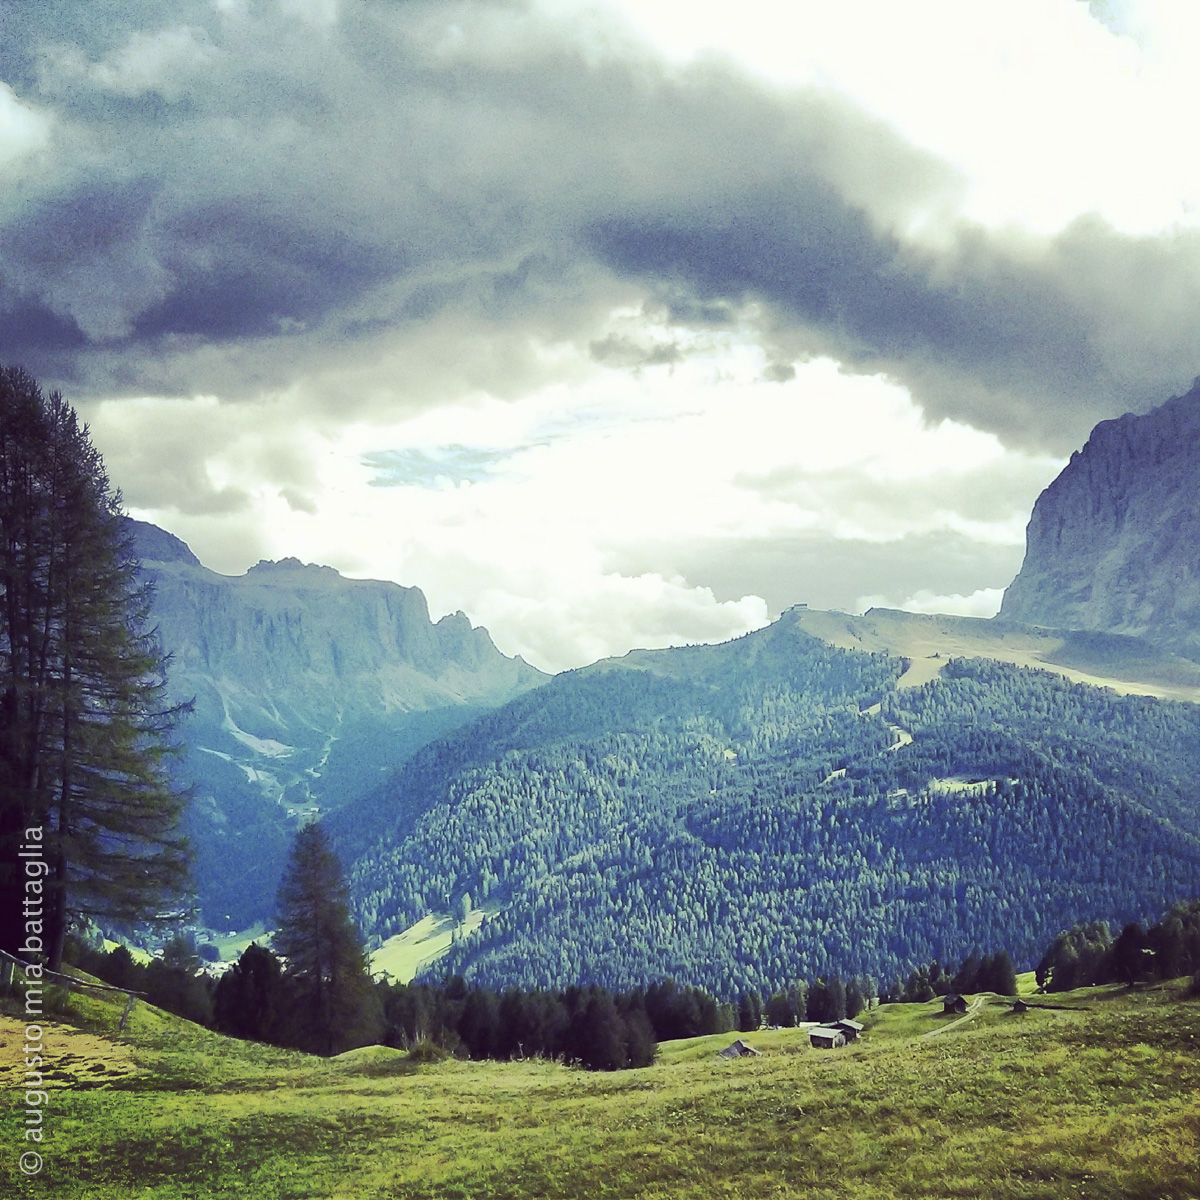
{"x":479,"y":1025}
{"x":855,"y":1000}
{"x":335,"y":1005}
{"x":749,"y":1016}
{"x":84,"y":723}
{"x":640,"y":1044}
{"x":827,"y":1000}
{"x":250,"y":996}
{"x":781,"y":1009}
{"x":966,"y":978}
{"x":998,"y":974}
{"x":599,"y":1035}
{"x":1131,"y":954}
{"x":176,"y":982}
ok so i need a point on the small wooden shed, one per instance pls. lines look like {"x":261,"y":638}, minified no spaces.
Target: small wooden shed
{"x":739,"y":1049}
{"x":826,"y":1037}
{"x":1019,"y":1006}
{"x":954,"y":1003}
{"x":850,"y":1029}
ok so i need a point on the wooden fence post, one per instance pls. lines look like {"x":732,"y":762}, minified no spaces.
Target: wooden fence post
{"x":128,"y":1009}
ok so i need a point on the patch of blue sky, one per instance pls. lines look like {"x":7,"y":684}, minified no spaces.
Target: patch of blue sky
{"x":435,"y":468}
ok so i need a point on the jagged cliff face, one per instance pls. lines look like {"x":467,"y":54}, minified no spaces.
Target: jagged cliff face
{"x":308,"y":689}
{"x":1114,"y":541}
{"x":305,"y":638}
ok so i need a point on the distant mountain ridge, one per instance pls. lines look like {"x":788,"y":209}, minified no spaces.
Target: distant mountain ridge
{"x":308,"y":687}
{"x":1114,"y":542}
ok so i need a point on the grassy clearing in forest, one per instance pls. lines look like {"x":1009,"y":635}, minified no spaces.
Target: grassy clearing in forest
{"x":1097,"y":1098}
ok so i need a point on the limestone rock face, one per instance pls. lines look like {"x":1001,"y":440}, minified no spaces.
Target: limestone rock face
{"x":292,"y":636}
{"x":308,"y":688}
{"x":1114,"y":542}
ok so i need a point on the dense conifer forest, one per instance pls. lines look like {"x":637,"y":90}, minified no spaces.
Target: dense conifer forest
{"x":741,"y":816}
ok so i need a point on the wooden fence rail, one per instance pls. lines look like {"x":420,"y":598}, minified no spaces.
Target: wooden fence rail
{"x":9,"y":965}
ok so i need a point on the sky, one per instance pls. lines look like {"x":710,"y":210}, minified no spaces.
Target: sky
{"x":609,"y":323}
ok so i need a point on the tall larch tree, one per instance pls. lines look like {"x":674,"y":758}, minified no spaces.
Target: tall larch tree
{"x":85,"y":726}
{"x":334,"y":1005}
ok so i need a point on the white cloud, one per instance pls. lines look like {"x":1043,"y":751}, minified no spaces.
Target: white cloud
{"x":155,"y":62}
{"x":166,"y":62}
{"x":409,"y":336}
{"x":1047,"y":111}
{"x":312,"y":12}
{"x":597,"y":615}
{"x":23,"y":130}
{"x":982,"y":603}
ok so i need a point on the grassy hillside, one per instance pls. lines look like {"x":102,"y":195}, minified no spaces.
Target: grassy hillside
{"x":1127,"y":665}
{"x":1099,"y":1097}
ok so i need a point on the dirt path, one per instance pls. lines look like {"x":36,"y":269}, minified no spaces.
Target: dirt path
{"x":973,"y":1010}
{"x":70,"y":1058}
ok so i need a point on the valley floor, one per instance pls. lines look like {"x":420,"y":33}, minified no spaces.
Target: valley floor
{"x":1098,"y":1097}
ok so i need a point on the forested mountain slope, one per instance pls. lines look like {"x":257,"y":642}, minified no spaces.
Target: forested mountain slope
{"x":741,"y":815}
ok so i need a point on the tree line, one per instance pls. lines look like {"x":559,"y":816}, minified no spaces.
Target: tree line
{"x":988,"y":973}
{"x":1088,"y":954}
{"x":317,"y":993}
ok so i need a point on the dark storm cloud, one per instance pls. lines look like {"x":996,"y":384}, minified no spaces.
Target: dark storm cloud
{"x":31,"y":332}
{"x":229,"y":198}
{"x":249,"y":179}
{"x":247,"y":273}
{"x":978,"y":331}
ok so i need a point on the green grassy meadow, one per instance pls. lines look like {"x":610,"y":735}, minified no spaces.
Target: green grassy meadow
{"x":1097,"y":1098}
{"x":404,"y":954}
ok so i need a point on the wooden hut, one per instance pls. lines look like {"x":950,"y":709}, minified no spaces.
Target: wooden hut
{"x":739,"y":1049}
{"x":954,"y":1003}
{"x":850,"y":1029}
{"x":826,"y":1037}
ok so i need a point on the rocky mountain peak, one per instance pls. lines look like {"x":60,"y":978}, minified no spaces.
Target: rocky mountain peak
{"x":291,"y":572}
{"x":271,"y":566}
{"x":1112,"y":542}
{"x":152,"y":544}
